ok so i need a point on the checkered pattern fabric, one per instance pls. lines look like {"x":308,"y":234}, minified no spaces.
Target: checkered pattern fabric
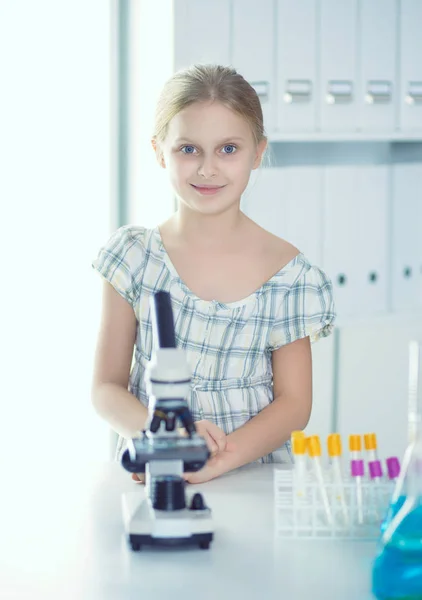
{"x":229,"y":346}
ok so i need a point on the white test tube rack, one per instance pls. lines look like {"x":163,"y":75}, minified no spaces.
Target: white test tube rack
{"x":305,"y":516}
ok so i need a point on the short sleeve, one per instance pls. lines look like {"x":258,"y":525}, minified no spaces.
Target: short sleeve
{"x":307,"y":309}
{"x":121,"y":260}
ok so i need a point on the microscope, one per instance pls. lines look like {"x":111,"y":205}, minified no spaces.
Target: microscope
{"x":162,"y":513}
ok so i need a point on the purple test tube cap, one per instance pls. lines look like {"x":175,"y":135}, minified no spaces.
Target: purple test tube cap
{"x":375,"y":469}
{"x":393,"y":467}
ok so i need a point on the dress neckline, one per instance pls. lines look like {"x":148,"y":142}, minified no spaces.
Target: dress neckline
{"x":227,"y":305}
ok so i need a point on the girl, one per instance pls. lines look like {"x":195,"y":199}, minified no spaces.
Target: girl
{"x":246,"y":303}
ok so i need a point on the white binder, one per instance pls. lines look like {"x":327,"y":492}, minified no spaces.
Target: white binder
{"x":355,"y":238}
{"x":202,"y":32}
{"x":406,"y":250}
{"x":377,"y":84}
{"x":287,"y":202}
{"x":410,"y":65}
{"x":337,"y":41}
{"x":297,"y":65}
{"x":253,"y":50}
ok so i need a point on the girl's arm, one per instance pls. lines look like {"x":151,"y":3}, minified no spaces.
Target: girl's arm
{"x":113,"y":359}
{"x":271,"y":428}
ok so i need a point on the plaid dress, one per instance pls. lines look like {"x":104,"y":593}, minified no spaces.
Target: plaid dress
{"x":228,"y":345}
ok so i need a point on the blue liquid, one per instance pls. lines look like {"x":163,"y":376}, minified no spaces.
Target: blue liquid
{"x":397,"y":569}
{"x":393,"y":510}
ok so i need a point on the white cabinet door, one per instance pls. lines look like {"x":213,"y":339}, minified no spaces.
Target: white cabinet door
{"x":377,"y":91}
{"x":410,"y":65}
{"x":337,"y":43}
{"x":201,"y":32}
{"x":355,"y":238}
{"x":253,"y":51}
{"x":373,"y":381}
{"x":297,"y":65}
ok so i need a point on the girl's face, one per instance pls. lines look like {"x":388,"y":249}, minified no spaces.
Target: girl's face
{"x":209,"y":152}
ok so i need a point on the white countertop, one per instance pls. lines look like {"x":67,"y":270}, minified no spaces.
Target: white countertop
{"x":66,"y":540}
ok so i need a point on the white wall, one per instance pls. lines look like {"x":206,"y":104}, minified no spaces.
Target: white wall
{"x":54,"y":211}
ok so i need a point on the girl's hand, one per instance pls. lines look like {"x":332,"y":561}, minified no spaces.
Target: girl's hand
{"x":214,"y":436}
{"x":218,"y":445}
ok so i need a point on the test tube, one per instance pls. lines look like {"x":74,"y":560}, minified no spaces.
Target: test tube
{"x":357,"y":471}
{"x":393,"y":467}
{"x":334,"y":452}
{"x":314,"y":450}
{"x":375,"y":469}
{"x":298,"y":440}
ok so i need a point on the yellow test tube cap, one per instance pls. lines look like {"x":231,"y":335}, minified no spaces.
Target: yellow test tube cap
{"x":355,"y":443}
{"x":314,"y":445}
{"x":370,"y":441}
{"x":298,"y":442}
{"x":334,"y":444}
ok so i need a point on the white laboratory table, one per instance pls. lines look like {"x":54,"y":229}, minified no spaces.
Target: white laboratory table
{"x":66,"y":541}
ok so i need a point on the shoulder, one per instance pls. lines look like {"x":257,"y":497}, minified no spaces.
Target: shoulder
{"x":121,"y":260}
{"x":128,"y":235}
{"x":276,"y":251}
{"x":125,"y":249}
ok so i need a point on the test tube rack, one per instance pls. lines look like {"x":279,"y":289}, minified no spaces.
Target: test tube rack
{"x":304,"y":516}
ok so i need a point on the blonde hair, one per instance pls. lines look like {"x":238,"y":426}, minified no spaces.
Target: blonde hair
{"x":205,"y":83}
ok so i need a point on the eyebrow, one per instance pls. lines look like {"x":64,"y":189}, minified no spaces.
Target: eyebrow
{"x":229,"y":139}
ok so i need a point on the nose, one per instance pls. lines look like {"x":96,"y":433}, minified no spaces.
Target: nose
{"x":208,"y":168}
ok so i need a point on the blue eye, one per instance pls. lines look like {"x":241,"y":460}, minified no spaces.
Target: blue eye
{"x":229,"y":149}
{"x":188,"y":149}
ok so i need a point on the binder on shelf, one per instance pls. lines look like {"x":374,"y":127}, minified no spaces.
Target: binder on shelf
{"x":355,"y":238}
{"x":406,"y":250}
{"x":297,"y":65}
{"x":377,"y":89}
{"x":253,"y":51}
{"x":195,"y":25}
{"x":410,"y":65}
{"x":338,"y":69}
{"x":287,"y":202}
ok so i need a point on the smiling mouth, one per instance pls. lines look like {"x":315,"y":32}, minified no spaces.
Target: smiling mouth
{"x":207,"y":190}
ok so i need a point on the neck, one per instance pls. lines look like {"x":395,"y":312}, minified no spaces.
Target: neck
{"x":208,"y":230}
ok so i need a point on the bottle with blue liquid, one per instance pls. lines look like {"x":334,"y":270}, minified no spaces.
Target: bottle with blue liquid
{"x":397,"y":569}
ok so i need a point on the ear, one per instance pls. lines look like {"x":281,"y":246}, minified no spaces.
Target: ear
{"x":260,"y":149}
{"x":158,"y":153}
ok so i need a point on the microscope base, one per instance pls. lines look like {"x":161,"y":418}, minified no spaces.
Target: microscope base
{"x":145,"y":526}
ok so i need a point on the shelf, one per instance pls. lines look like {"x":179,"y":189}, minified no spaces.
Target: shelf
{"x":411,"y":136}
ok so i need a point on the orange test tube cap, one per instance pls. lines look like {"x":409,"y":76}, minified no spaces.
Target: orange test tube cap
{"x":334,"y":444}
{"x":355,"y":443}
{"x":298,"y":442}
{"x":370,"y":441}
{"x":314,"y":445}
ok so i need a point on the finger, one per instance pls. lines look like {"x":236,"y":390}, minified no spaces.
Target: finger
{"x":212,"y":446}
{"x":218,"y":435}
{"x":138,"y":478}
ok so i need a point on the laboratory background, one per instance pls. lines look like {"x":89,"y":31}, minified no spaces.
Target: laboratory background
{"x":340,"y":83}
{"x":341,"y":89}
